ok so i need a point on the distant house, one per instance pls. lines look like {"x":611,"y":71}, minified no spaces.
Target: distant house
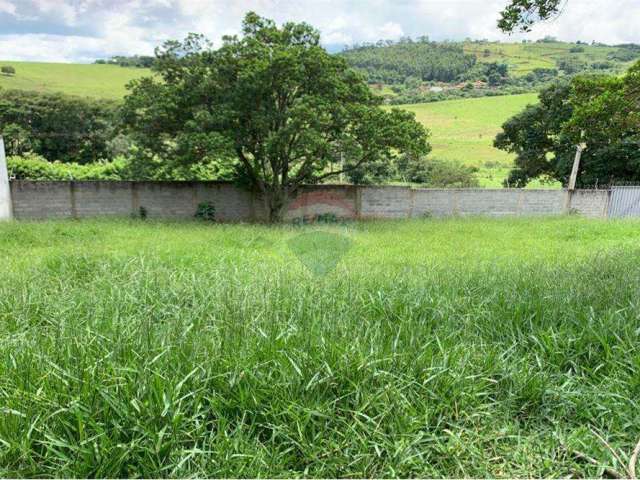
{"x":436,"y":89}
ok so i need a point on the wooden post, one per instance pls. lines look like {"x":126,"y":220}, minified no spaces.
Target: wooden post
{"x":6,"y":209}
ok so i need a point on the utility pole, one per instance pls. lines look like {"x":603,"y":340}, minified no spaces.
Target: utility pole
{"x":6,"y":210}
{"x":576,"y":163}
{"x":574,"y":171}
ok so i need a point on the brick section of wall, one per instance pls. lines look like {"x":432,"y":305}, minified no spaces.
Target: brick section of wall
{"x":339,"y":200}
{"x":591,"y":203}
{"x":181,"y":199}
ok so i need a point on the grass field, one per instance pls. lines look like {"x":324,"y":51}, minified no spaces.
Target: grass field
{"x":463,"y":130}
{"x":522,"y":58}
{"x":97,"y":81}
{"x":458,"y":348}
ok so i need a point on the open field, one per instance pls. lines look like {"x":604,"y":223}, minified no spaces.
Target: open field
{"x":461,"y":347}
{"x":463,"y":130}
{"x":97,"y":81}
{"x":522,"y":58}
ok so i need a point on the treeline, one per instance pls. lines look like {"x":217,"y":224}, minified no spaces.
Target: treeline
{"x":62,"y":137}
{"x":136,"y":61}
{"x":394,"y":62}
{"x":57,"y":126}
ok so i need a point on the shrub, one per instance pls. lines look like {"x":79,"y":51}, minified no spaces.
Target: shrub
{"x":34,"y":167}
{"x":436,"y":173}
{"x":7,"y":70}
{"x":206,"y":211}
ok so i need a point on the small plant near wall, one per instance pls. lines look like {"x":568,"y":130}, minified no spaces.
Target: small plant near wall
{"x":206,"y":211}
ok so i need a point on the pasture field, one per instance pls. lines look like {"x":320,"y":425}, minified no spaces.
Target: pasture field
{"x":522,"y":58}
{"x":463,"y":131}
{"x":434,"y":348}
{"x":97,"y":81}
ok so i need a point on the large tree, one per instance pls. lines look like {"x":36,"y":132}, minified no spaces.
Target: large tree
{"x":601,"y":111}
{"x":56,"y":126}
{"x":272,"y":102}
{"x":523,"y":14}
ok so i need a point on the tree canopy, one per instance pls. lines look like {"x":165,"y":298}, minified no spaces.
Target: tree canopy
{"x":521,"y":15}
{"x":272,"y":103}
{"x":602,"y":111}
{"x":394,"y":62}
{"x":56,"y":126}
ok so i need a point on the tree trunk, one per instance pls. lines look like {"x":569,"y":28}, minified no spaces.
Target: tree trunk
{"x":275,"y":203}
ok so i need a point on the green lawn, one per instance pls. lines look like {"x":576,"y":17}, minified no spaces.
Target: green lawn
{"x":98,"y":81}
{"x":435,"y":348}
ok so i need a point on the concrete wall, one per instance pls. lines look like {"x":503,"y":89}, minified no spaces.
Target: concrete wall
{"x":591,"y":203}
{"x":181,"y":199}
{"x":487,"y":202}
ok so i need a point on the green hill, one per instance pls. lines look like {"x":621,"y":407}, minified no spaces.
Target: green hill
{"x":463,"y":131}
{"x":97,"y":81}
{"x":453,"y":62}
{"x":523,"y":58}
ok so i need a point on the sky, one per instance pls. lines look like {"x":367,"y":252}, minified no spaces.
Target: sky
{"x":85,"y":30}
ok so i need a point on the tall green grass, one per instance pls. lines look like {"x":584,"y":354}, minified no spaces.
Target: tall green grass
{"x":435,"y":348}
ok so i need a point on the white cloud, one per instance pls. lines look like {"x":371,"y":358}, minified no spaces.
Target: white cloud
{"x":81,"y":30}
{"x":7,"y":7}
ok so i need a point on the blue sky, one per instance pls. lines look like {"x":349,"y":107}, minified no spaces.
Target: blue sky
{"x":83,"y":30}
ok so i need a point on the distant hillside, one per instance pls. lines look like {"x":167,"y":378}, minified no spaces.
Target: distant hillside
{"x":523,"y":58}
{"x":395,"y":62}
{"x":97,"y":81}
{"x":402,"y":71}
{"x":421,"y":71}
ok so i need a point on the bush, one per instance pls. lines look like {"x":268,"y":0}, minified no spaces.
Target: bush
{"x":34,"y":167}
{"x":436,"y":173}
{"x":8,"y":70}
{"x":206,"y":211}
{"x":570,"y":65}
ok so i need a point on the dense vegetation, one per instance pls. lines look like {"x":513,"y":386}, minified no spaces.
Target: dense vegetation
{"x":273,"y":105}
{"x":457,"y":348}
{"x":395,"y":62}
{"x":601,"y":111}
{"x":34,"y":167}
{"x":56,"y":126}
